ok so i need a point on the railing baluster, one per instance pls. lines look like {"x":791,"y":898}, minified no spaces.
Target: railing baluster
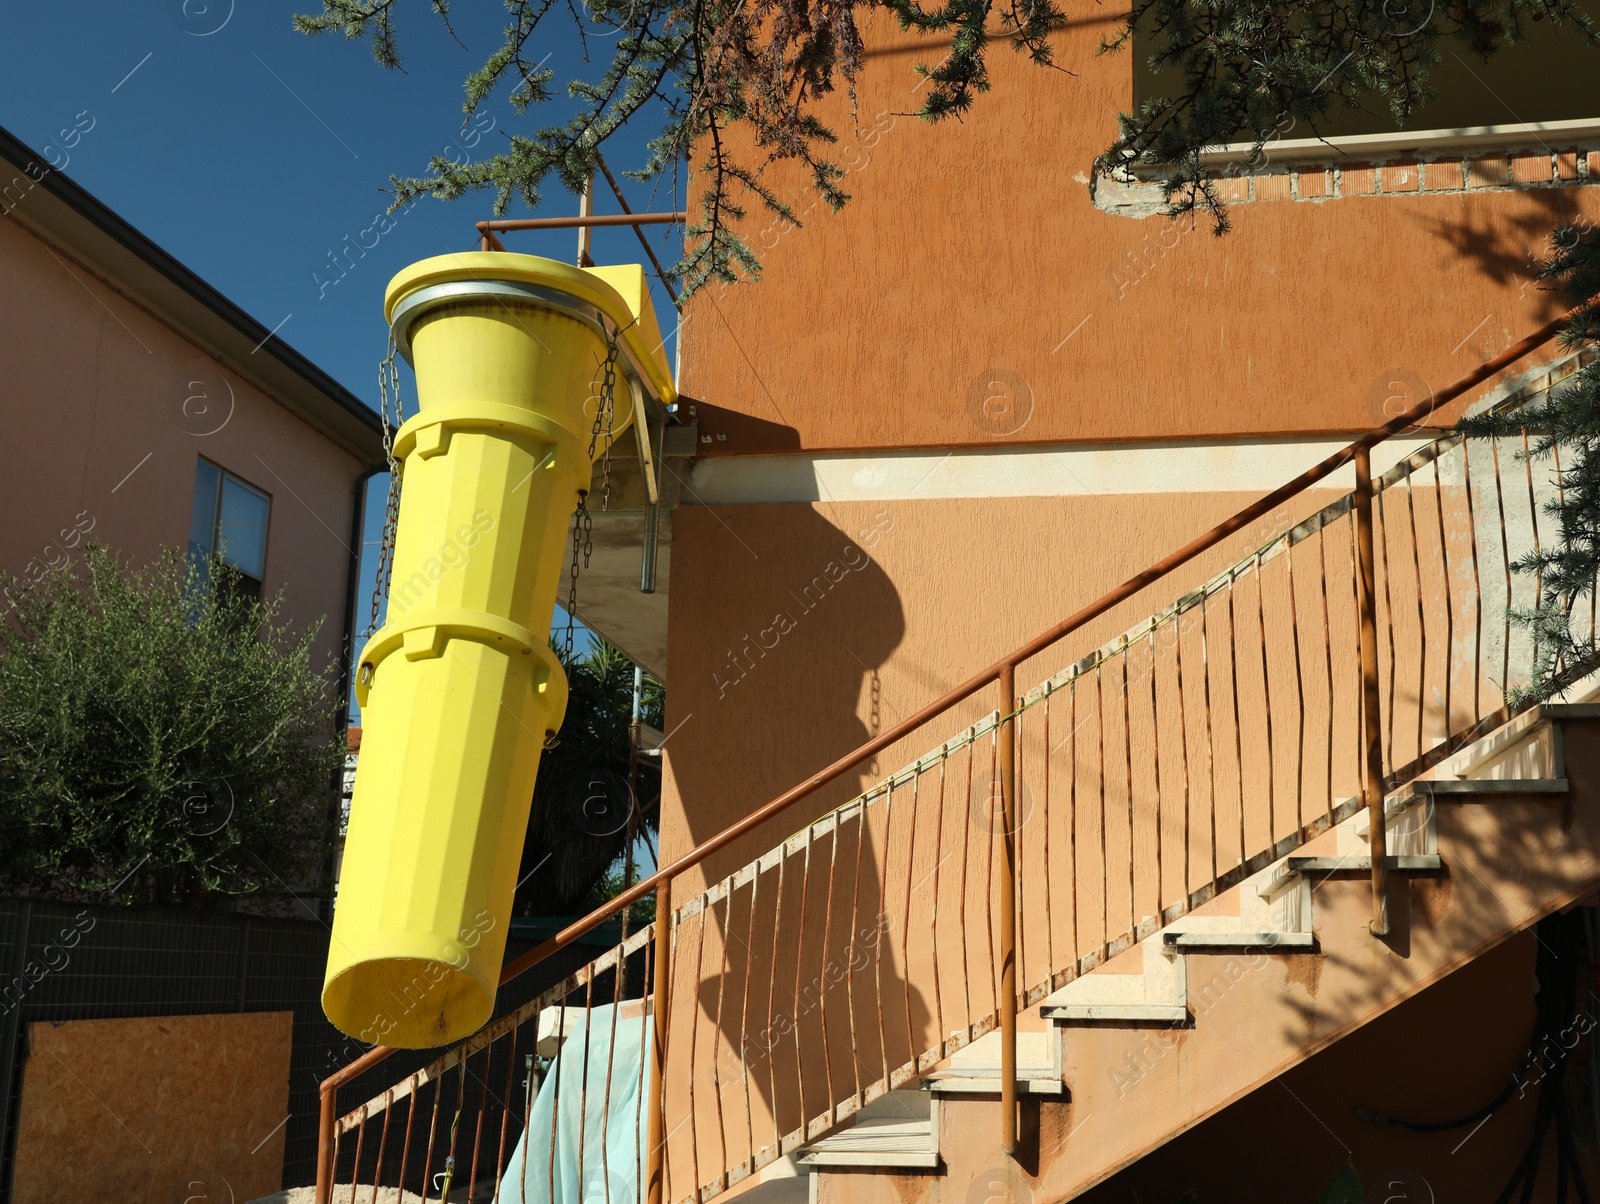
{"x":1533,"y":523}
{"x":716,"y":1058}
{"x":1422,"y":618}
{"x":1105,"y":807}
{"x":1072,"y":813}
{"x":966,"y":848}
{"x":355,"y":1170}
{"x":617,"y":976}
{"x":1327,"y":645}
{"x":772,"y":994}
{"x":693,"y":1118}
{"x":1007,"y":1002}
{"x":1155,"y":762}
{"x":1211,"y":744}
{"x":744,"y":1010}
{"x":1477,"y":585}
{"x":1449,"y":607}
{"x":1355,"y":609}
{"x":656,"y":1168}
{"x":433,"y":1129}
{"x":850,"y":948}
{"x":644,"y":1092}
{"x":405,"y":1148}
{"x":1266,"y":699}
{"x":483,"y":1107}
{"x":1505,"y":561}
{"x":383,"y":1141}
{"x":1371,"y":732}
{"x":1127,"y":765}
{"x":988,"y":882}
{"x":939,"y":1030}
{"x":1561,"y":497}
{"x":827,"y":960}
{"x":327,"y":1143}
{"x":1042,"y":806}
{"x":450,"y":1155}
{"x":1388,"y":610}
{"x":799,"y":961}
{"x":1238,"y":728}
{"x":883,"y":911}
{"x":505,"y":1117}
{"x":905,"y":917}
{"x":1183,"y":757}
{"x":1299,"y":688}
{"x":555,"y":1096}
{"x":1020,"y":865}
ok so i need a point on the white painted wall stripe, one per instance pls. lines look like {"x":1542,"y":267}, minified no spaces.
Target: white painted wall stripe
{"x":1061,"y":470}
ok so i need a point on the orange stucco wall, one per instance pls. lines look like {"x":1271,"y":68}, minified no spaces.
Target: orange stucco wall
{"x":942,"y":589}
{"x":972,"y":264}
{"x":104,"y":430}
{"x":972,"y":294}
{"x":973,"y":248}
{"x":1408,"y":1063}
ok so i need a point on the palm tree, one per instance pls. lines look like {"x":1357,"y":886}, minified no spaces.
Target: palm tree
{"x":583,"y":809}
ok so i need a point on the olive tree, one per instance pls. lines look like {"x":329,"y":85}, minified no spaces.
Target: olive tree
{"x":164,"y":738}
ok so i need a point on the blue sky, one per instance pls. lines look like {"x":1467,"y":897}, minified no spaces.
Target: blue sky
{"x":251,"y":152}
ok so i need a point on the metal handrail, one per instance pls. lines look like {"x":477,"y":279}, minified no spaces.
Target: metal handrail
{"x":999,"y":673}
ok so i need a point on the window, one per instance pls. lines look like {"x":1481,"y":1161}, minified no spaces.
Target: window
{"x":1548,"y":76}
{"x":229,"y":523}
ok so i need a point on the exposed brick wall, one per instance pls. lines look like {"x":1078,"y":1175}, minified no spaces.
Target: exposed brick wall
{"x":1468,"y":173}
{"x":1404,"y":175}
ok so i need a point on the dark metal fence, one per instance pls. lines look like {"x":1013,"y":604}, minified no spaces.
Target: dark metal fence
{"x":63,"y":961}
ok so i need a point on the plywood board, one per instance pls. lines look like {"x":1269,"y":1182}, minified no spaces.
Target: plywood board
{"x":157,"y":1110}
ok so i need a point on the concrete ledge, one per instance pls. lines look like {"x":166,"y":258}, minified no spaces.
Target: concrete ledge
{"x":980,"y":1084}
{"x":1116,"y":1013}
{"x":1266,"y":942}
{"x":1464,"y":788}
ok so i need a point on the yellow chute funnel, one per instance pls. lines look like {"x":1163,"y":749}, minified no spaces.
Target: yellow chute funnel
{"x":459,"y":689}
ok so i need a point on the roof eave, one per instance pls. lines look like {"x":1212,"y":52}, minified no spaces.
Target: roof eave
{"x":62,"y":213}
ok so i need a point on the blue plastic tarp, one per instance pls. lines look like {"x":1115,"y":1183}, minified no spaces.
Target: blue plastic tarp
{"x":605,"y":1136}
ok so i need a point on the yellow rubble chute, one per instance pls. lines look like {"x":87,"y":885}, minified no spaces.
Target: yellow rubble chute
{"x":459,"y":689}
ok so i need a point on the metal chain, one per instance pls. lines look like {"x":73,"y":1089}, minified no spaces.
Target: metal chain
{"x":605,"y":412}
{"x":388,"y":394}
{"x":582,"y":522}
{"x":579,"y":517}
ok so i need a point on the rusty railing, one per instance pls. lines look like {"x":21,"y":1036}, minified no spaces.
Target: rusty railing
{"x":1364,"y":637}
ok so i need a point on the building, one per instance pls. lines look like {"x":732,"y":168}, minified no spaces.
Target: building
{"x":991,"y":390}
{"x":144,"y":410}
{"x":148,"y":411}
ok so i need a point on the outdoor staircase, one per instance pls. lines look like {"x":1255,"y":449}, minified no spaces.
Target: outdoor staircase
{"x":857,"y":1056}
{"x":1125,"y":1058}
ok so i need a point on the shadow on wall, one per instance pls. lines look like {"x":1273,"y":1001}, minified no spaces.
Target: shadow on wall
{"x":724,"y":430}
{"x":792,"y":619}
{"x":1503,"y":241}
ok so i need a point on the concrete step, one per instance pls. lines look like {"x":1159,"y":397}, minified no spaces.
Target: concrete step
{"x":1029,"y":1082}
{"x":876,"y":1143}
{"x":1157,"y":994}
{"x":899,"y":1130}
{"x":1415,"y":865}
{"x":975,"y":1070}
